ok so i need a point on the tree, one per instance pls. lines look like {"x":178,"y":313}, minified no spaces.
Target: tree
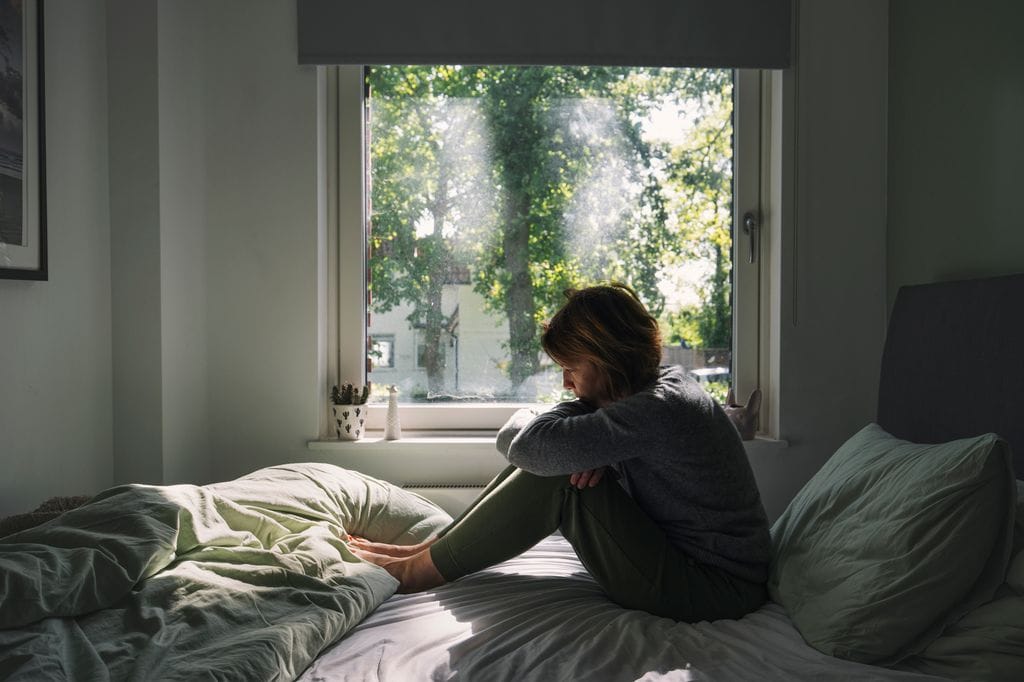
{"x":428,"y":190}
{"x":572,"y":191}
{"x":700,"y":172}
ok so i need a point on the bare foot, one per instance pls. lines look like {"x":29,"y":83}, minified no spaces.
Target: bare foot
{"x":414,"y":574}
{"x":388,"y":550}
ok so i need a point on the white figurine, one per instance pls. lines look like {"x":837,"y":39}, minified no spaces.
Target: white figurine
{"x":393,"y":426}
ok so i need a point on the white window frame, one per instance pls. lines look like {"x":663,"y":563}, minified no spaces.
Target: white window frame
{"x":342,"y":210}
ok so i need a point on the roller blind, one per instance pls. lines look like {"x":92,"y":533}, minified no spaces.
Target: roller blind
{"x":708,"y":33}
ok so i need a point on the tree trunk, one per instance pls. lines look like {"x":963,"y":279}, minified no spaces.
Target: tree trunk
{"x":433,"y":353}
{"x":519,"y":303}
{"x":434,"y":320}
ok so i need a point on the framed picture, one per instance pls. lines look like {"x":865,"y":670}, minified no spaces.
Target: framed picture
{"x":22,"y":149}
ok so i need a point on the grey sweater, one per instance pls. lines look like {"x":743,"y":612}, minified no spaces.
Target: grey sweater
{"x":676,"y":453}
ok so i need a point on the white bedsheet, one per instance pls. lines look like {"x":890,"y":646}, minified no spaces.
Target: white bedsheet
{"x":541,"y":617}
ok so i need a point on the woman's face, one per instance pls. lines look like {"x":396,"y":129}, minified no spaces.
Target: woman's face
{"x":584,"y":380}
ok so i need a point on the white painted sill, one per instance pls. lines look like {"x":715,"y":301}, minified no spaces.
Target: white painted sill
{"x":453,"y":457}
{"x":416,"y":443}
{"x":442,"y":442}
{"x":763,"y":445}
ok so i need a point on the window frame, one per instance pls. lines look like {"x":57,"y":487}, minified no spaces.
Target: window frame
{"x":342,"y":211}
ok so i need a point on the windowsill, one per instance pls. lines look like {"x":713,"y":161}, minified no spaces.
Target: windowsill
{"x":375,"y":440}
{"x":763,"y":445}
{"x":441,"y":442}
{"x":445,"y":457}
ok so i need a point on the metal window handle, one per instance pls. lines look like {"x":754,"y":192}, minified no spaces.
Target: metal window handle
{"x":750,"y":229}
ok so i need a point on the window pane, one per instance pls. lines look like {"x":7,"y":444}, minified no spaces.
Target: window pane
{"x":382,"y":351}
{"x":494,"y":189}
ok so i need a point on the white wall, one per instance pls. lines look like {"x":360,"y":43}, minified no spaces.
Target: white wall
{"x":55,"y":367}
{"x":261,"y":164}
{"x":183,"y":261}
{"x":158,"y":241}
{"x":134,"y":157}
{"x":956,"y":112}
{"x":213,"y":196}
{"x":831,"y":307}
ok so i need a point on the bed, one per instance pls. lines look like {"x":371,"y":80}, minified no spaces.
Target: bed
{"x":900,"y":560}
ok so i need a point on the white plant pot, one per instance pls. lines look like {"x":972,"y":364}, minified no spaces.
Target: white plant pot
{"x":349,"y":421}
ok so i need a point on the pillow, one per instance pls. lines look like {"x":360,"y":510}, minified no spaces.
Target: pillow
{"x":987,"y":643}
{"x":892,"y":541}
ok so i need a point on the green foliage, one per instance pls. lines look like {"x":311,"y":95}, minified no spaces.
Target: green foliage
{"x":684,"y":327}
{"x":538,"y":179}
{"x":714,"y":321}
{"x":719,"y":390}
{"x":350,"y":394}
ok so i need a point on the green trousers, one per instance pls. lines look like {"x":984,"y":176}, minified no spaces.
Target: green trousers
{"x":625,"y":551}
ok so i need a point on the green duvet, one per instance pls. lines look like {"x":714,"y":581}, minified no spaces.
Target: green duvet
{"x":244,"y":580}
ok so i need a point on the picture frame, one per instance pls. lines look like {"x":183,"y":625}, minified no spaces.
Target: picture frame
{"x":23,"y":245}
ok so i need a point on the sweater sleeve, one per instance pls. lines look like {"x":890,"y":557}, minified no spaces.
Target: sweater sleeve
{"x":574,"y":437}
{"x":516,"y":423}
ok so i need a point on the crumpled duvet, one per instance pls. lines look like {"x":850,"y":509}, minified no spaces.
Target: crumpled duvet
{"x":248,"y":579}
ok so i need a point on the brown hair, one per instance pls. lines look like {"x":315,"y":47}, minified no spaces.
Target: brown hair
{"x":610,"y":327}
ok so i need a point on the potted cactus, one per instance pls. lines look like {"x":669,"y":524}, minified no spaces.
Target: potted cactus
{"x":348,"y":409}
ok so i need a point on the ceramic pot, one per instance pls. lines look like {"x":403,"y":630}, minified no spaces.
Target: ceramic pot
{"x":349,"y":421}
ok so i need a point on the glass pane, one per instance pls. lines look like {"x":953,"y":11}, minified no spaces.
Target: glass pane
{"x":494,"y":189}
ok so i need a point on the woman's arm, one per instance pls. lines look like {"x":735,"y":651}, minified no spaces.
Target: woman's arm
{"x":516,"y":423}
{"x":574,"y":437}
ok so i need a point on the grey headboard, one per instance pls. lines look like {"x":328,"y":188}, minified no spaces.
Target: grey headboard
{"x":953,"y":364}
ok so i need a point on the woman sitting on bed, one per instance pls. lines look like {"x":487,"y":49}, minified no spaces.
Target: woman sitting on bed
{"x":644,"y":474}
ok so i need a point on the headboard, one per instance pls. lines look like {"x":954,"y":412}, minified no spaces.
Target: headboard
{"x":953,"y":364}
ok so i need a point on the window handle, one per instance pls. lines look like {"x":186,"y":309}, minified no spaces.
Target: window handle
{"x":750,"y":229}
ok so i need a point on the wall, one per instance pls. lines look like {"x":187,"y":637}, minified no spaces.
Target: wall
{"x":956,"y":120}
{"x":262,"y":239}
{"x":214,"y":217}
{"x":135,"y":239}
{"x":183,"y":263}
{"x":55,"y":370}
{"x":830,"y":310}
{"x":158,"y":241}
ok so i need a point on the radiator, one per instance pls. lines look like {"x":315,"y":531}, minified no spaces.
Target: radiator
{"x":452,"y":497}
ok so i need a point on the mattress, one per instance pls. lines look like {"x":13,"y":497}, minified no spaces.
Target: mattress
{"x":540,"y":616}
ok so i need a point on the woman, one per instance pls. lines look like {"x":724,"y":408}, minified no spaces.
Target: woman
{"x":643,"y":473}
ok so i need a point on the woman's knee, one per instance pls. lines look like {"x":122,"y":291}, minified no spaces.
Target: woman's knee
{"x":534,"y":481}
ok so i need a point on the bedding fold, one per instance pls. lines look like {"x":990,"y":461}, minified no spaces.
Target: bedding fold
{"x":247,"y":579}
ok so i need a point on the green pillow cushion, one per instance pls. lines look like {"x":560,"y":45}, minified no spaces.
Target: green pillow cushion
{"x":987,"y":643}
{"x":891,"y":541}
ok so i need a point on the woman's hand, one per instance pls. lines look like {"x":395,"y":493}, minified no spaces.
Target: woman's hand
{"x":588,"y":478}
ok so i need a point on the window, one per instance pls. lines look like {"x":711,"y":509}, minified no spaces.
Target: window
{"x":382,"y":352}
{"x":471,"y":196}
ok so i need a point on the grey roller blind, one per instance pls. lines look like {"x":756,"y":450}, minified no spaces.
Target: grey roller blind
{"x":710,"y":33}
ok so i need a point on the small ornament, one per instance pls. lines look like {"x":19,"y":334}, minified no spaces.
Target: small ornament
{"x":392,"y":427}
